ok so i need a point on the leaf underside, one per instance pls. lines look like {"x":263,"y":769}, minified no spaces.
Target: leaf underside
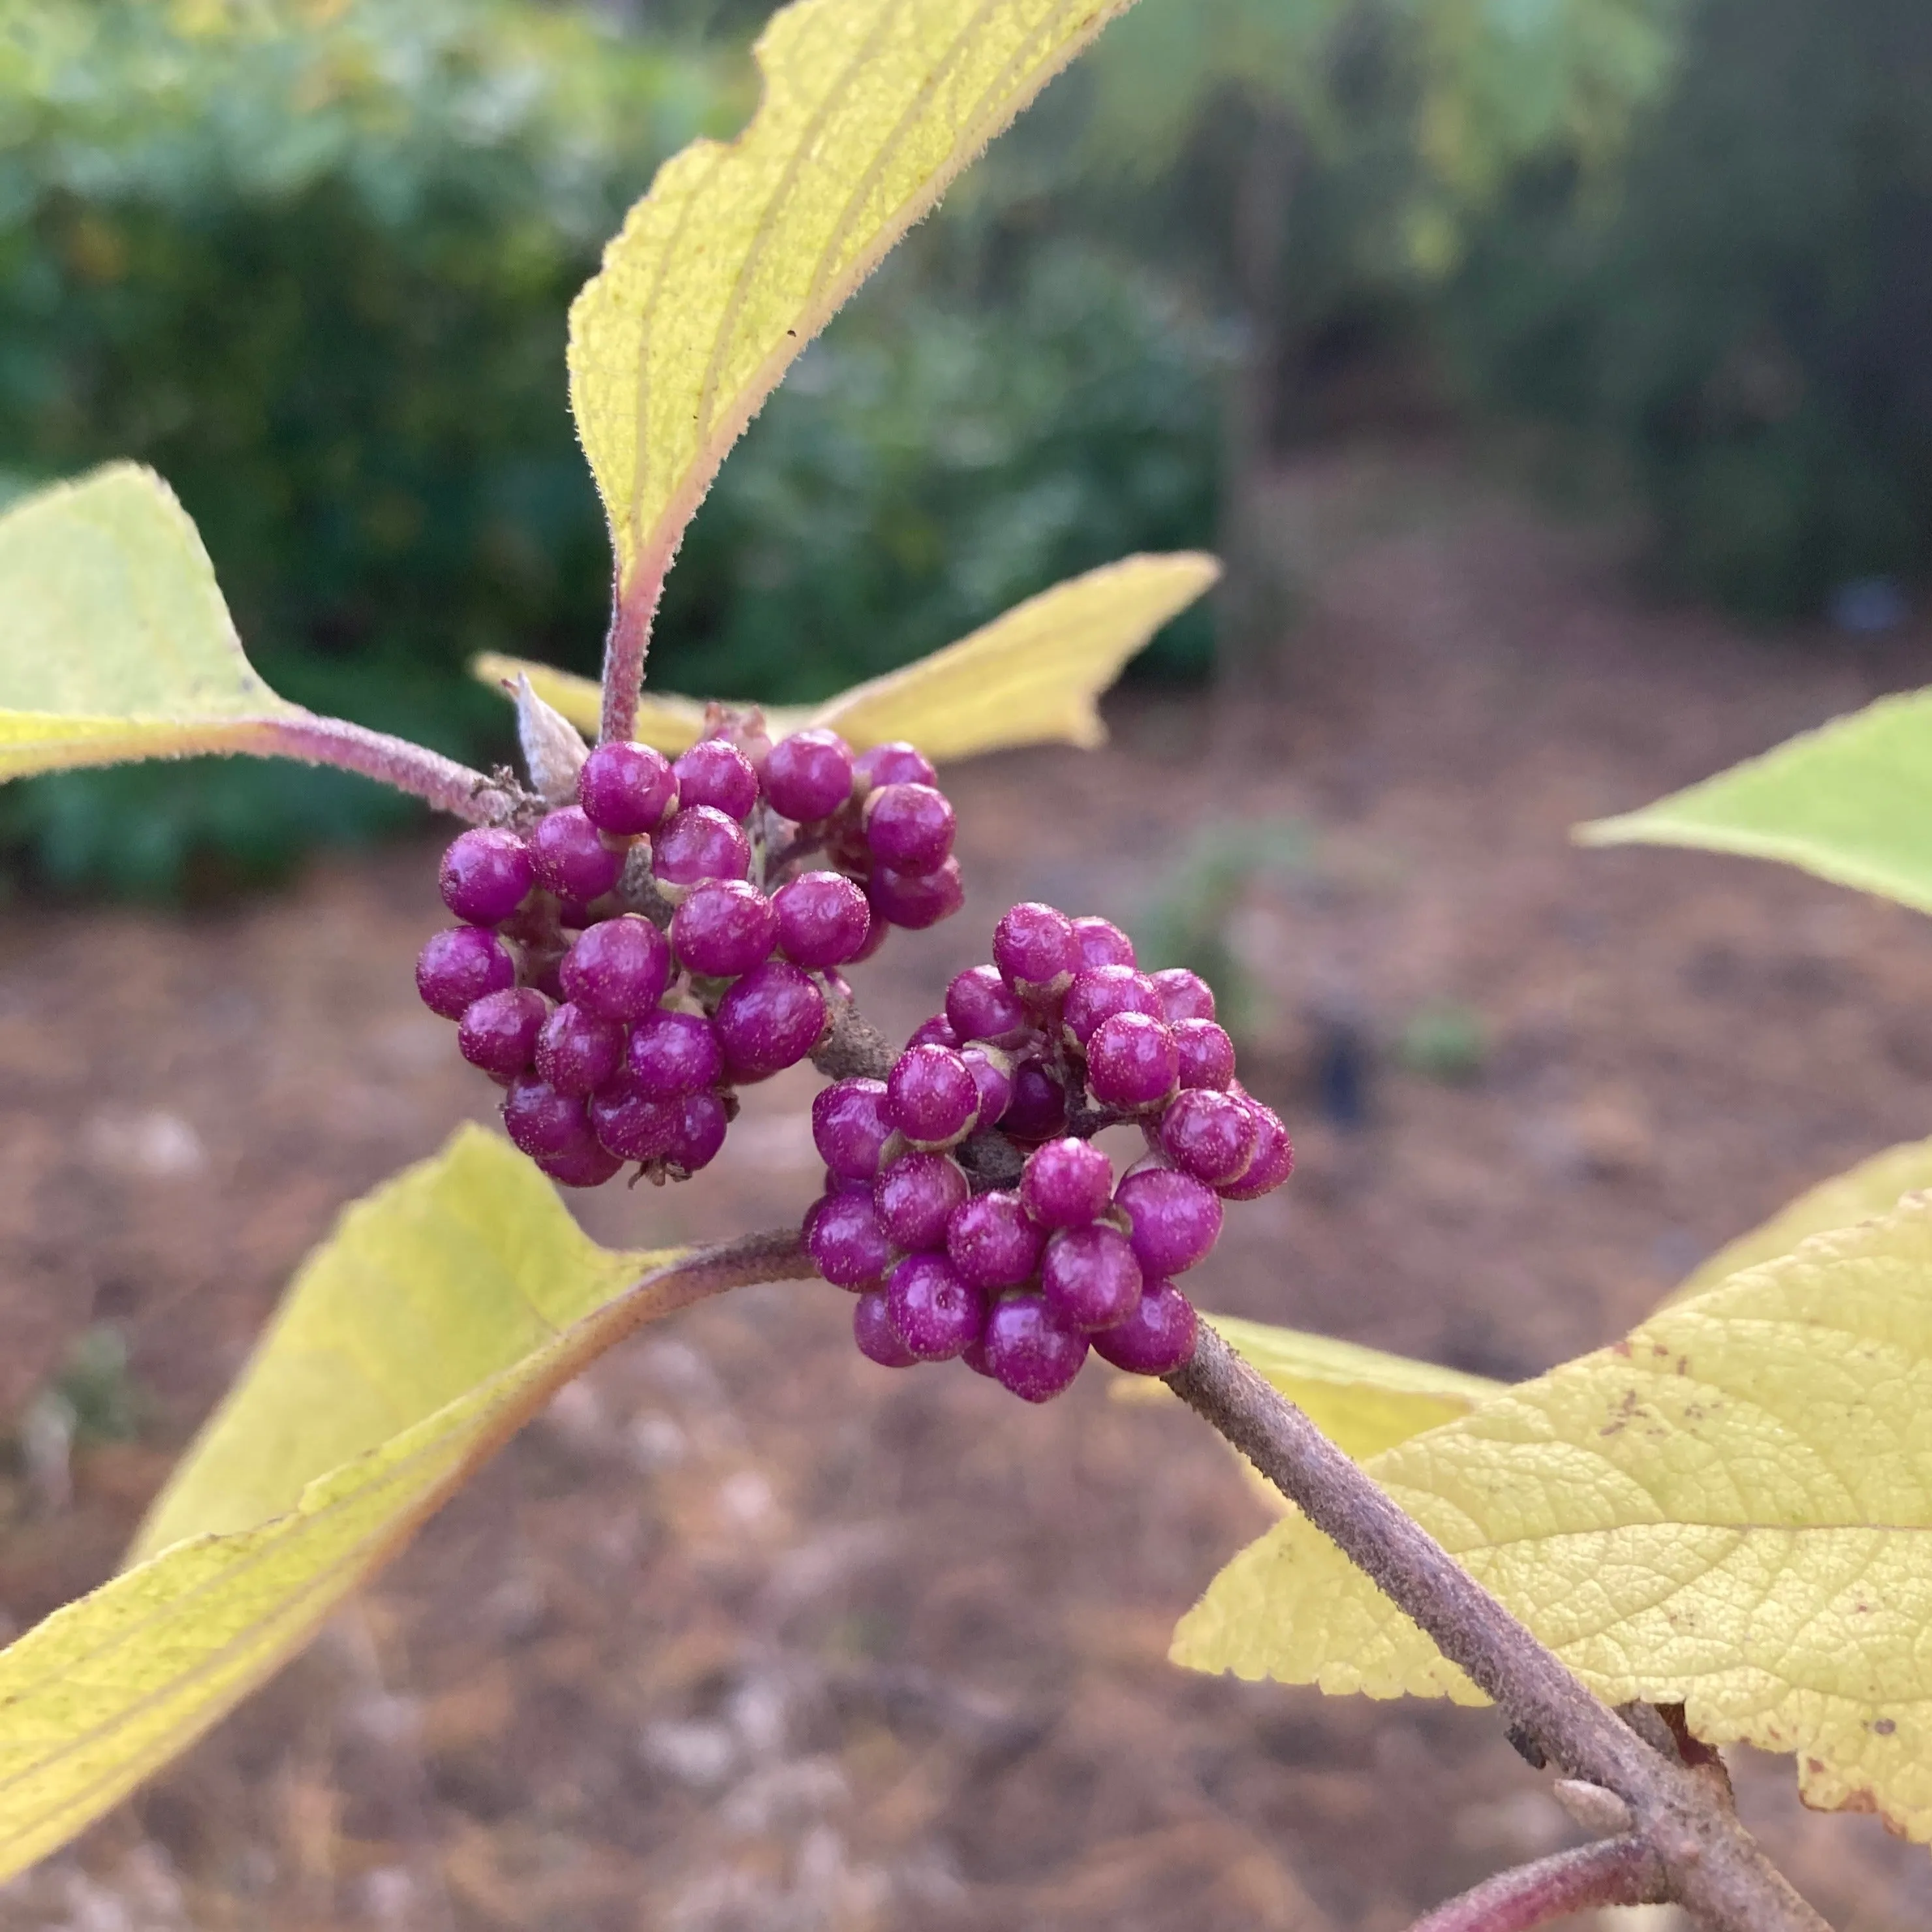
{"x":1851,"y":802}
{"x":443,"y":1310}
{"x":1732,"y":1508}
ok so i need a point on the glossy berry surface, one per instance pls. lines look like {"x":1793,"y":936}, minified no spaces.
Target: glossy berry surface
{"x":768,"y":1020}
{"x":916,"y":900}
{"x":1036,"y":951}
{"x":1207,"y":1053}
{"x":936,"y":1312}
{"x":847,"y":1243}
{"x":672,"y":1054}
{"x":1184,"y":995}
{"x":499,"y":1032}
{"x":1132,"y":1063}
{"x":938,"y":1031}
{"x":992,"y":1072}
{"x":993,"y":1242}
{"x":725,"y":927}
{"x":982,"y":1006}
{"x":808,"y":776}
{"x":1174,"y":1220}
{"x":699,"y":842}
{"x":459,"y":966}
{"x":1029,"y":1350}
{"x":1274,"y":1159}
{"x":630,"y":1122}
{"x":896,"y":763}
{"x":586,"y":1165}
{"x":578,"y":1051}
{"x":1037,"y":1111}
{"x":485,"y":875}
{"x":570,"y":858}
{"x":1157,"y":1339}
{"x":619,"y":968}
{"x":1102,"y":943}
{"x":1211,"y":1135}
{"x":910,"y":827}
{"x":931,"y":1097}
{"x":872,"y":1329}
{"x":823,"y":920}
{"x":916,"y":1196}
{"x":698,"y":1126}
{"x":716,"y":773}
{"x":849,"y":1127}
{"x":1066,"y":1183}
{"x":541,"y":1121}
{"x":626,"y":788}
{"x":1098,"y":993}
{"x":1089,"y":1276}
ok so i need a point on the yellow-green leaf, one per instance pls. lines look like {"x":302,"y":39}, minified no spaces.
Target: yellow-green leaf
{"x":445,"y":1307}
{"x":1033,"y":675}
{"x":1732,"y":1508}
{"x":741,"y":251}
{"x":1874,"y":1186}
{"x":1851,"y":802}
{"x":1362,"y":1399}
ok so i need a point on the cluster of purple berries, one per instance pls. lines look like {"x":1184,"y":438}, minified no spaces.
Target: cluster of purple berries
{"x":630,"y":960}
{"x":1061,"y":1032}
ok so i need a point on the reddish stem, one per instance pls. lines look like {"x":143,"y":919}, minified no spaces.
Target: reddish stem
{"x":633,"y":608}
{"x":1619,"y":1871}
{"x":395,"y":762}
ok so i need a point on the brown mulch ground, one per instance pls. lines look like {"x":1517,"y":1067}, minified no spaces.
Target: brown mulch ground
{"x":746,"y":1636}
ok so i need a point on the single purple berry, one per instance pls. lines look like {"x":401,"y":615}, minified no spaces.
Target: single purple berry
{"x":916,"y":901}
{"x":577,"y":1050}
{"x":541,"y":1121}
{"x":847,"y":1244}
{"x":1207,"y":1053}
{"x":809,"y":775}
{"x":982,"y":1006}
{"x":1089,"y":1276}
{"x":1037,"y":1111}
{"x":937,"y":1311}
{"x":931,"y":1097}
{"x":849,"y":1127}
{"x":992,"y":1072}
{"x":586,"y":1165}
{"x":938,"y":1031}
{"x":909,"y":827}
{"x":698,"y":1124}
{"x":716,"y":773}
{"x":872,"y":1329}
{"x":897,"y":763}
{"x":1036,"y":951}
{"x":1099,"y":992}
{"x":626,"y":788}
{"x":1101,"y":944}
{"x":620,"y":968}
{"x":459,"y":966}
{"x":673,"y":1054}
{"x":1274,"y":1157}
{"x":632,"y":1123}
{"x":1184,"y":995}
{"x":823,"y":920}
{"x":571,"y":859}
{"x":1030,"y":1349}
{"x":485,"y":874}
{"x":1157,"y":1339}
{"x":1131,"y":1062}
{"x":768,"y":1020}
{"x":993,"y":1242}
{"x":1211,"y":1135}
{"x":725,"y":927}
{"x":700,"y":843}
{"x":1174,"y":1222}
{"x":916,"y":1196}
{"x":1066,"y":1183}
{"x":499,"y":1032}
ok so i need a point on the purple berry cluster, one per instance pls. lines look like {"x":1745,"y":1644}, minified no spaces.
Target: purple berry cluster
{"x":625,"y":963}
{"x":1061,"y":1036}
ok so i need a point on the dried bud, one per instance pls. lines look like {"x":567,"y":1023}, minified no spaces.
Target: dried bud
{"x":554,"y":750}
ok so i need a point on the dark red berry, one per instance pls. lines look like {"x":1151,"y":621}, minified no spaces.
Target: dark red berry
{"x":698,"y":1131}
{"x":993,"y":1242}
{"x":1173,"y":1220}
{"x":459,"y":966}
{"x":700,"y":843}
{"x":1066,"y":1183}
{"x":846,"y":1243}
{"x":1089,"y":1276}
{"x":724,"y":928}
{"x":897,"y":763}
{"x":499,"y":1032}
{"x":982,"y":1006}
{"x":485,"y":875}
{"x":1030,"y":1349}
{"x":630,"y":1122}
{"x":1131,"y":1062}
{"x":916,"y":1196}
{"x":1184,"y":995}
{"x":626,"y":788}
{"x":1211,"y":1135}
{"x":931,"y":1097}
{"x":849,"y":1127}
{"x":586,"y":1165}
{"x":1037,"y":1111}
{"x":1157,"y":1339}
{"x":936,"y":1312}
{"x":1274,"y":1159}
{"x":872,"y":1329}
{"x":823,"y":920}
{"x":916,"y":901}
{"x":578,"y":1051}
{"x":716,"y":773}
{"x":768,"y":1020}
{"x":1207,"y":1053}
{"x":673,"y":1054}
{"x":571,"y":859}
{"x":1101,"y":944}
{"x":620,"y":968}
{"x":909,"y":827}
{"x":809,"y":775}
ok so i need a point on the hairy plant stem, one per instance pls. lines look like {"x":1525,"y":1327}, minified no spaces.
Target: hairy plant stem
{"x":395,"y":762}
{"x":633,"y":608}
{"x":1683,"y":1816}
{"x":1618,"y":1871}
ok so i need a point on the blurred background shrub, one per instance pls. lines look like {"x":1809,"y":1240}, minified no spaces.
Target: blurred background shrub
{"x":311,"y":259}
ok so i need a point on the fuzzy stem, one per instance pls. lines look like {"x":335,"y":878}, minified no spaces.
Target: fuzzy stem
{"x":1619,"y":1871}
{"x":633,"y":607}
{"x":1713,"y":1868}
{"x":445,"y":783}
